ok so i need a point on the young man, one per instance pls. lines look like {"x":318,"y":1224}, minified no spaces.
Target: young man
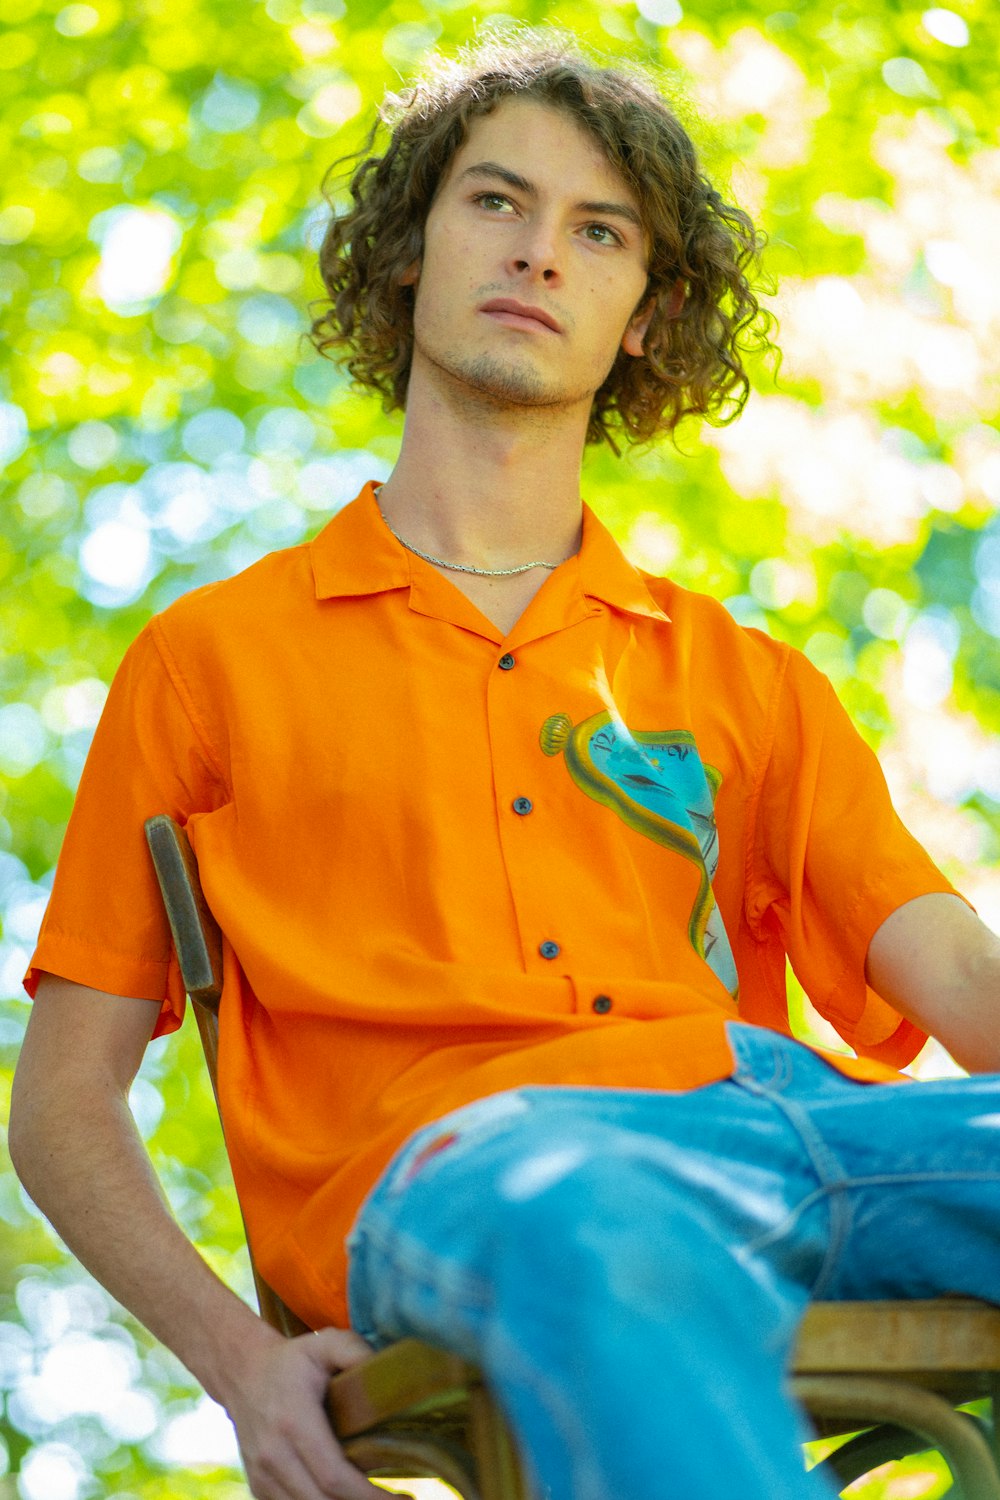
{"x":509,"y":843}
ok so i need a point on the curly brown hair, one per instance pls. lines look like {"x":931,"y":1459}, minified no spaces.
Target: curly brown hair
{"x":704,"y":256}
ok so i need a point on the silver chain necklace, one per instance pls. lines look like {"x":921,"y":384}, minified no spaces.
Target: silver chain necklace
{"x":455,"y":567}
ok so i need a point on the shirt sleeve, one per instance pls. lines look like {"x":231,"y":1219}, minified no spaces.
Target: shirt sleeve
{"x":105,"y":925}
{"x":830,"y":861}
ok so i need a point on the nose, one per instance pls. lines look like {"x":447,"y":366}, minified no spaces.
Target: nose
{"x":535,"y":256}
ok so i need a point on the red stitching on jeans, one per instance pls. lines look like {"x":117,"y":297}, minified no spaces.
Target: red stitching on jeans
{"x":439,"y":1143}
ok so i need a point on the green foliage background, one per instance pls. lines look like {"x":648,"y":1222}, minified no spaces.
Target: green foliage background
{"x":163,"y":422}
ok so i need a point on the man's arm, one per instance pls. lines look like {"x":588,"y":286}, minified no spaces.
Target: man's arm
{"x":939,"y":965}
{"x":76,"y":1148}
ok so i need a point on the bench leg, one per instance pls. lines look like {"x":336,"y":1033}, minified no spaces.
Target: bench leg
{"x":873,"y":1399}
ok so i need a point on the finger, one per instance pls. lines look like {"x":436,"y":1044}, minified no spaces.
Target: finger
{"x":286,"y":1472}
{"x":278,"y":1473}
{"x":340,"y":1348}
{"x":324,"y":1460}
{"x":352,"y":1485}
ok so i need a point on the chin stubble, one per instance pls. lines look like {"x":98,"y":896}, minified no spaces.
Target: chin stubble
{"x":498,"y":383}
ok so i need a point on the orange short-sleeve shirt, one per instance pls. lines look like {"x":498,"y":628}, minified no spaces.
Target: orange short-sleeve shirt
{"x":448,"y":863}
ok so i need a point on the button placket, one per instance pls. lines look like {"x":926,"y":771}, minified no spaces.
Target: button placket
{"x":517,"y":763}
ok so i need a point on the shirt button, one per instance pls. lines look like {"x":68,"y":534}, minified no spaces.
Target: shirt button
{"x":602,"y":1004}
{"x":549,"y":949}
{"x":506,"y":662}
{"x":522,"y":806}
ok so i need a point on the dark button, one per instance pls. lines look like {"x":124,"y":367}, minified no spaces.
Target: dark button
{"x":506,"y":662}
{"x":602,"y":1004}
{"x":549,"y":949}
{"x":522,"y":806}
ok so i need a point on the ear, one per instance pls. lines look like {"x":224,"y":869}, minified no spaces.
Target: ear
{"x":638,"y":325}
{"x":411,"y":275}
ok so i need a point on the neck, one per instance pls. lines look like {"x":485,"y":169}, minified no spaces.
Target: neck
{"x":487,"y":488}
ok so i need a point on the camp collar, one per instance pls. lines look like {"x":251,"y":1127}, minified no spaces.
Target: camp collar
{"x":356,"y":554}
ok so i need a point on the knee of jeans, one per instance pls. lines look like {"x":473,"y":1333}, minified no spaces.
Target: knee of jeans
{"x":541,"y":1167}
{"x":607,"y":1230}
{"x":572,"y":1189}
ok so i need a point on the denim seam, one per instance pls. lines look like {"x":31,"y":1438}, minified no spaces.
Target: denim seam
{"x":906,"y":1179}
{"x":427,"y":1273}
{"x":566,"y":1420}
{"x":422,"y":1265}
{"x":840,"y":1223}
{"x":841,"y":1212}
{"x":745,"y":1075}
{"x":748,"y":1060}
{"x":462,"y":1303}
{"x":829,"y":1172}
{"x":825,"y":1162}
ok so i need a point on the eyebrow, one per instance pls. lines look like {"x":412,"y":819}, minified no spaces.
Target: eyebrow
{"x":513,"y":179}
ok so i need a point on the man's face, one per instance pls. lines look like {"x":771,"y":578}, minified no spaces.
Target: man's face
{"x":534,"y":262}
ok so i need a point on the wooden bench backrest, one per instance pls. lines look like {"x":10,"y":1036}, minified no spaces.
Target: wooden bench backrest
{"x":198,"y":945}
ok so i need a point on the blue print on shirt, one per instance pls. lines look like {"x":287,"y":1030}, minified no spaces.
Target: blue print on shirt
{"x":654,"y":780}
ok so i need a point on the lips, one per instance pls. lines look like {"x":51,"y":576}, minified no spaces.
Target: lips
{"x":520,"y":314}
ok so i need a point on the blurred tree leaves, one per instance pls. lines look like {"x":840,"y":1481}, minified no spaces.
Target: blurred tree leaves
{"x":163,"y":422}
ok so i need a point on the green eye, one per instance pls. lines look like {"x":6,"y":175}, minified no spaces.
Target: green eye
{"x":492,"y":200}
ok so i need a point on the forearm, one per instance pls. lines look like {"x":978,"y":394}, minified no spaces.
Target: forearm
{"x":77,"y":1150}
{"x":80,"y":1157}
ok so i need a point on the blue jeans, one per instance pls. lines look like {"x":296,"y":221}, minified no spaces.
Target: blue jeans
{"x":629,"y":1266}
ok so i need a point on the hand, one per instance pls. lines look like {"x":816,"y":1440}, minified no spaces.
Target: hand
{"x":287,"y":1445}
